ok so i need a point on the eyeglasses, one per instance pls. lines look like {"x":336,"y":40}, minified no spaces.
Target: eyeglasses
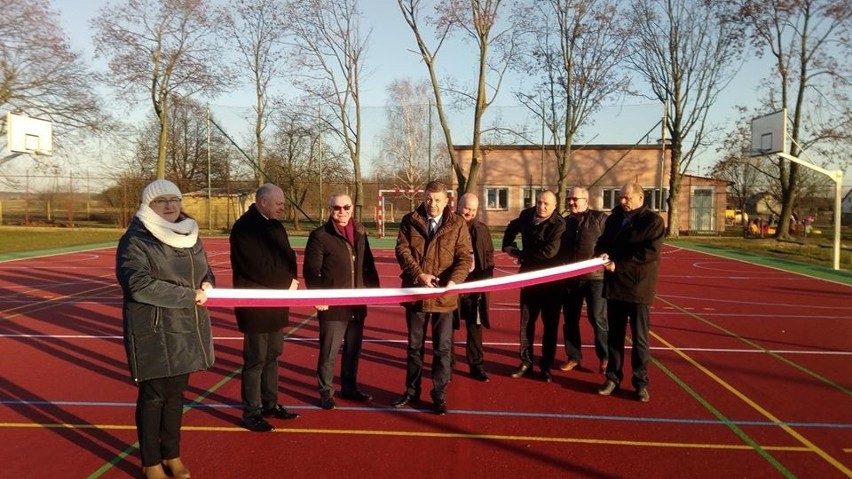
{"x":574,"y":198}
{"x":165,"y":201}
{"x":341,"y":208}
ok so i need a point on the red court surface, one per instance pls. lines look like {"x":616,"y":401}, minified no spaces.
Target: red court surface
{"x":752,"y":378}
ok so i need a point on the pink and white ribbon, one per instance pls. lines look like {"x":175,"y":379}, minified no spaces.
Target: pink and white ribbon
{"x":225,"y":297}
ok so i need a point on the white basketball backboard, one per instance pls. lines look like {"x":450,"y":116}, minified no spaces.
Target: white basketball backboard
{"x":29,"y":135}
{"x":769,"y":134}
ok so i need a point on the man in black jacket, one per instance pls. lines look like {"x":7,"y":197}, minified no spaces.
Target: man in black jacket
{"x":541,"y":230}
{"x":261,"y":258}
{"x":473,"y":307}
{"x":583,"y":227}
{"x":631,"y":243}
{"x":338,"y":256}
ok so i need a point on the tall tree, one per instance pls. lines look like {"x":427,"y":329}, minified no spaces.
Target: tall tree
{"x":686,"y":50}
{"x":186,"y":151}
{"x":809,"y":42}
{"x":329,"y":50}
{"x":491,"y":25}
{"x":405,"y":141}
{"x":164,"y":48}
{"x":259,"y":29}
{"x":40,"y":75}
{"x":576,"y":49}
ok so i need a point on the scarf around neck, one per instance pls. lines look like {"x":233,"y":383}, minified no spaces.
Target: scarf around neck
{"x":181,"y":234}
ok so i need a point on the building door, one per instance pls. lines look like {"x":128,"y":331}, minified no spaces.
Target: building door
{"x":702,"y":215}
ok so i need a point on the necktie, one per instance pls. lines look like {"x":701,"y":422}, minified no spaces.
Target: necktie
{"x":433,"y":226}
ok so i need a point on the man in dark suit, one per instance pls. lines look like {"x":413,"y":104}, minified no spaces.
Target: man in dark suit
{"x":473,"y":307}
{"x":261,"y":258}
{"x":433,"y":249}
{"x":631,"y":243}
{"x":338,"y":256}
{"x":541,"y":230}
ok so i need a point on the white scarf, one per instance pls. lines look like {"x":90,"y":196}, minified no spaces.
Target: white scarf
{"x":182,"y":234}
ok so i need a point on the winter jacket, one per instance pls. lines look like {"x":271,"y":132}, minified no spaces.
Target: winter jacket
{"x":582,"y":231}
{"x":261,"y":258}
{"x":473,"y":305}
{"x":634,"y":245}
{"x":165,"y":333}
{"x":332,"y":263}
{"x":445,"y":255}
{"x":541,"y":242}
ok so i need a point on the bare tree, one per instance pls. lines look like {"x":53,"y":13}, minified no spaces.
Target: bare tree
{"x":405,"y":140}
{"x":298,"y":156}
{"x":494,"y":28}
{"x":259,"y":29}
{"x":329,"y":50}
{"x":577,"y":49}
{"x":187,"y":149}
{"x":164,"y":48}
{"x":745,"y":177}
{"x":686,"y":51}
{"x":40,"y":75}
{"x":809,"y":42}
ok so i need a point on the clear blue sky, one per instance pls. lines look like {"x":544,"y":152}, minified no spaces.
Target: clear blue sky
{"x":389,"y":57}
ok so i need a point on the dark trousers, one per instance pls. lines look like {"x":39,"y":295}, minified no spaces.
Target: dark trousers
{"x":544,"y":300}
{"x":473,"y":346}
{"x":590,"y":291}
{"x":159,"y":409}
{"x":639,"y":316}
{"x":260,"y":371}
{"x":331,"y":333}
{"x":442,"y":349}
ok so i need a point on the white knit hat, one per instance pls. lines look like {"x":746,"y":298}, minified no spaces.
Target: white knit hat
{"x":159,"y":188}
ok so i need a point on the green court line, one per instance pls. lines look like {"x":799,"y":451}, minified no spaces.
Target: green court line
{"x":198,"y":400}
{"x":789,"y":430}
{"x":838,"y":276}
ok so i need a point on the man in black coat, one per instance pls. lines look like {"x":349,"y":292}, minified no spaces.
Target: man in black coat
{"x":583,"y":227}
{"x":261,"y":258}
{"x":338,"y":256}
{"x":631,"y":243}
{"x":541,"y":230}
{"x":473,"y":307}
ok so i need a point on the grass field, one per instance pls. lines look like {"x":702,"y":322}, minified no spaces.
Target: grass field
{"x":811,"y":251}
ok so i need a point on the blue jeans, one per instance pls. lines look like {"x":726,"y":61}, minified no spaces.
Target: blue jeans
{"x":442,"y":350}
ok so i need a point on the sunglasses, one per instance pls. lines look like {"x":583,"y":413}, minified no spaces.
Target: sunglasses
{"x":341,"y":208}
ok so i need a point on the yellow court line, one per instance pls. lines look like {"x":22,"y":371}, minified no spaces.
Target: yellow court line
{"x":424,"y":434}
{"x":789,"y":430}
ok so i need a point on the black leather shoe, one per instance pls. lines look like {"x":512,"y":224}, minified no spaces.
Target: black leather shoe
{"x":405,"y":400}
{"x":440,"y":408}
{"x":327,"y":403}
{"x":279,"y":412}
{"x":546,"y":376}
{"x":356,"y":396}
{"x":479,"y":375}
{"x":256,"y":424}
{"x":521,"y":371}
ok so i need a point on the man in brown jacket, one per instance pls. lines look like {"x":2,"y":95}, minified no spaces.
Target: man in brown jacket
{"x":433,"y":249}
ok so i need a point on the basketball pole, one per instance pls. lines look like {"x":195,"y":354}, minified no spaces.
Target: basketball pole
{"x":837,"y":177}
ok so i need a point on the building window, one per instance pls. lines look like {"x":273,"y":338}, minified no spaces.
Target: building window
{"x":653,"y":199}
{"x":610,"y":197}
{"x":530,"y":195}
{"x":497,"y":198}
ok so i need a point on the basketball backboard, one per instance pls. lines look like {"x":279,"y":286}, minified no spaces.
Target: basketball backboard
{"x":25,"y":134}
{"x":769,"y":134}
